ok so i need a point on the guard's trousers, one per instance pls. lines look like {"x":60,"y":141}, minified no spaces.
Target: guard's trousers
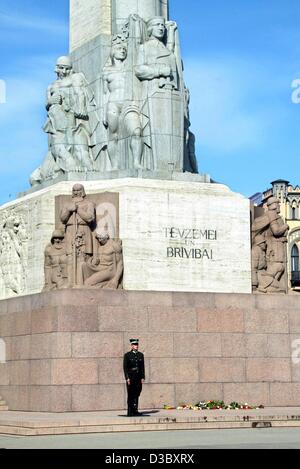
{"x":134,"y":390}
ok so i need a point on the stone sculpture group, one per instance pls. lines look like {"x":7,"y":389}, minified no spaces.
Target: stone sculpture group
{"x":142,"y":120}
{"x":269,"y":252}
{"x":79,"y":256}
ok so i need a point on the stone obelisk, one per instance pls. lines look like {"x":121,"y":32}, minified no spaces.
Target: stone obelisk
{"x":154,"y":91}
{"x":90,"y":18}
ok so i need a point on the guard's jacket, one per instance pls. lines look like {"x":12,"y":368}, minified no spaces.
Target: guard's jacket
{"x":134,"y":366}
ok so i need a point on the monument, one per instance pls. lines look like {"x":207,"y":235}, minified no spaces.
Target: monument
{"x":120,"y":236}
{"x":118,"y":121}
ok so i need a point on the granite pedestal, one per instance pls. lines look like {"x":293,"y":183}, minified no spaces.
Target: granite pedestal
{"x":65,"y":349}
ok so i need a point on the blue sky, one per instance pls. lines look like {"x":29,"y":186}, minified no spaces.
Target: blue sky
{"x":241,"y":58}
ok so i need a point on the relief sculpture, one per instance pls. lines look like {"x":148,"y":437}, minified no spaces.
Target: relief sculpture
{"x":13,"y":253}
{"x":84,"y":252}
{"x":269,"y":256}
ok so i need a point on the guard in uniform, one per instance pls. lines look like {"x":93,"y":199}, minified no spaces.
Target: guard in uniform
{"x":134,"y":371}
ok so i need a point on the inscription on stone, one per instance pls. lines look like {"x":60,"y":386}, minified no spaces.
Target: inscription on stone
{"x":185,"y":243}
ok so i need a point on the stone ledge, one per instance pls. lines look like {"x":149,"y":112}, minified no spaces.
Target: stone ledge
{"x":121,"y":174}
{"x":34,"y":424}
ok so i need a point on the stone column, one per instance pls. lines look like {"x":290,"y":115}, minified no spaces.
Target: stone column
{"x":146,"y":9}
{"x":88,"y":19}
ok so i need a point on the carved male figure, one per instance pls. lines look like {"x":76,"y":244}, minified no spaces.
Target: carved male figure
{"x":13,"y":250}
{"x":122,"y":116}
{"x":105,"y":269}
{"x":259,"y":261}
{"x":68,"y":125}
{"x":56,"y":265}
{"x":157,"y":61}
{"x":276,"y":249}
{"x":78,"y":217}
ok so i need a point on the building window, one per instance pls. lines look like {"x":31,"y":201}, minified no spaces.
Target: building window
{"x":294,"y":213}
{"x":295,"y":259}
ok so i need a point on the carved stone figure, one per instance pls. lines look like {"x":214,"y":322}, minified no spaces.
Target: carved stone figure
{"x":79,"y":218}
{"x":159,"y":69}
{"x":69,"y":125}
{"x":56,"y":264}
{"x":273,"y":278}
{"x":105,"y":269}
{"x":157,"y":62}
{"x":121,"y":114}
{"x":259,"y":261}
{"x":190,"y":159}
{"x":13,"y":253}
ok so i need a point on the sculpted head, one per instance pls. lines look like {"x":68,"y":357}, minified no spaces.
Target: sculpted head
{"x":78,"y":192}
{"x":118,"y":52}
{"x":260,"y":240}
{"x":57,"y":238}
{"x":156,"y":27}
{"x":63,"y":67}
{"x":102,"y":238}
{"x":273,"y":204}
{"x":13,"y":225}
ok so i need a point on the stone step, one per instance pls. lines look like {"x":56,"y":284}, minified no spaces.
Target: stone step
{"x":34,"y":424}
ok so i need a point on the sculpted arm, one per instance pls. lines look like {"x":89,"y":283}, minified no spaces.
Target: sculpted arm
{"x":87,"y":212}
{"x":120,"y":265}
{"x":115,"y":281}
{"x":48,"y":98}
{"x":79,"y":89}
{"x":172,"y":28}
{"x":278,"y":230}
{"x":145,"y":71}
{"x":65,"y":215}
{"x":52,"y":97}
{"x":106,"y":97}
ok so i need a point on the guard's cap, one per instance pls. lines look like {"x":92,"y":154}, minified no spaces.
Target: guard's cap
{"x":134,"y":341}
